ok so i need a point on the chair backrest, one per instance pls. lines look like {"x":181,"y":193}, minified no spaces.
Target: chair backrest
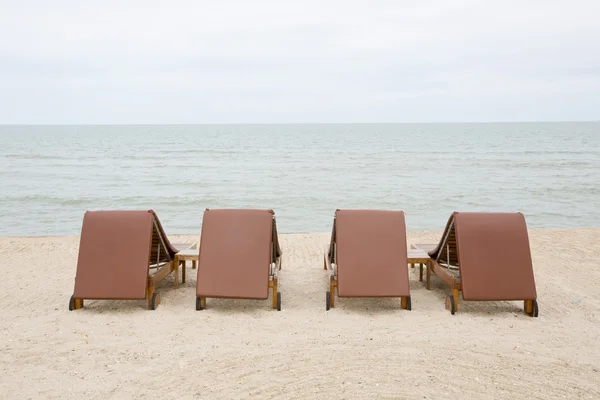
{"x":332,"y":243}
{"x":162,"y":250}
{"x":236,"y":250}
{"x":445,"y":251}
{"x":114,"y":253}
{"x":493,"y":255}
{"x":276,"y":253}
{"x":371,"y":253}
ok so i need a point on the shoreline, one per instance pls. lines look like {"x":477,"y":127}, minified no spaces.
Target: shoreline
{"x":408,"y":232}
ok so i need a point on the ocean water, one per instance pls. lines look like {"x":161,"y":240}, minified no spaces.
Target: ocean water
{"x":50,"y":175}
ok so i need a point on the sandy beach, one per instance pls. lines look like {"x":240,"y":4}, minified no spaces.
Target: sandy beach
{"x":244,"y":349}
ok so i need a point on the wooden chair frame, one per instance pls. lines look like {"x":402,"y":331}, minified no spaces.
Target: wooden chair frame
{"x":163,"y":269}
{"x":333,"y":281}
{"x":275,"y":266}
{"x":452,"y":279}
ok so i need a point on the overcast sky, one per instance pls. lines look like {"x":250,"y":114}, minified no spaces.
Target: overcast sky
{"x":106,"y":61}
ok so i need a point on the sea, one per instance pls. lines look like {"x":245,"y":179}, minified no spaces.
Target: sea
{"x":51,"y":175}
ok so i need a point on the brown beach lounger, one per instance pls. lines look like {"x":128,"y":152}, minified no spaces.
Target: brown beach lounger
{"x":117,"y":251}
{"x":486,"y":256}
{"x":367,"y":256}
{"x":239,"y":256}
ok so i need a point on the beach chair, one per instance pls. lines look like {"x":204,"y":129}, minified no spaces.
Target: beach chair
{"x":122,"y":256}
{"x":367,"y":256}
{"x":486,"y":256}
{"x":239,"y":256}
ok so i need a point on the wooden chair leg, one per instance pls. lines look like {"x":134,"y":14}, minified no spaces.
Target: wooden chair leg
{"x":325,"y":261}
{"x":280,"y":262}
{"x":428,"y":276}
{"x":274,"y":293}
{"x":194,"y":262}
{"x":331,"y":292}
{"x":200,"y":303}
{"x":404,"y":302}
{"x":176,"y":272}
{"x":150,"y":292}
{"x":183,"y":272}
{"x":528,"y":305}
{"x":77,"y":304}
{"x":421,"y":272}
{"x":455,"y":295}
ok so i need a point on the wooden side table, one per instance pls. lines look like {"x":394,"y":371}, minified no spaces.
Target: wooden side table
{"x":418,"y":256}
{"x":184,"y":255}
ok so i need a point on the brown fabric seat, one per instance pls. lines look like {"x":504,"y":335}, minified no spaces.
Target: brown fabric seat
{"x":492,"y":254}
{"x":368,"y":249}
{"x":237,"y":251}
{"x":116,"y":251}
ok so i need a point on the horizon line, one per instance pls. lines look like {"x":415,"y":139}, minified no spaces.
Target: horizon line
{"x":295,"y":123}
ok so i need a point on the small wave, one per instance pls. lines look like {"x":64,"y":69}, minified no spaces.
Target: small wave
{"x":50,"y":200}
{"x":35,"y":157}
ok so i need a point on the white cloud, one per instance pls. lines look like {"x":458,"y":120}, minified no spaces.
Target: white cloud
{"x":239,"y":61}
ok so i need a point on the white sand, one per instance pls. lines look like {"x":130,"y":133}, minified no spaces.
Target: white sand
{"x":361,"y":349}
